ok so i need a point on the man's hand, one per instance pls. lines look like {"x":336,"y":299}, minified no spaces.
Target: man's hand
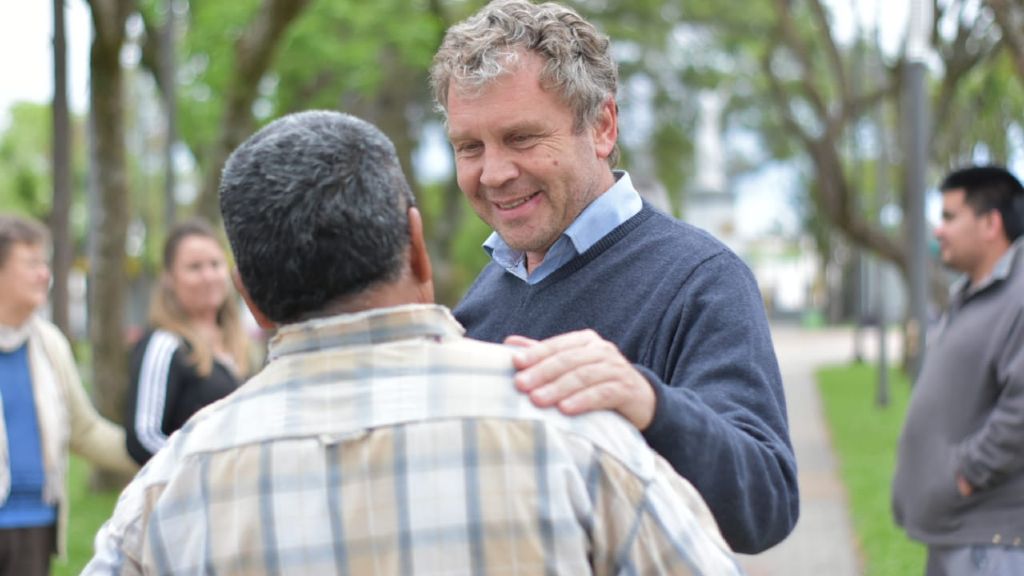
{"x":581,"y":372}
{"x":963,"y":486}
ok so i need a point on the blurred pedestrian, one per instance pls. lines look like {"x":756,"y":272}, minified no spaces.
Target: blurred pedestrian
{"x":959,"y":483}
{"x":45,"y":412}
{"x":196,"y":350}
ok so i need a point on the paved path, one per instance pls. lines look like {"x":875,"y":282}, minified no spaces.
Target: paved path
{"x":822,"y":543}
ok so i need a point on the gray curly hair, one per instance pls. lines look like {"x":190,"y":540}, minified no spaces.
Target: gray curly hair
{"x":577,"y":64}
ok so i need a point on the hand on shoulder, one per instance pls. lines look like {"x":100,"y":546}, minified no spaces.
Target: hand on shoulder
{"x":581,"y":372}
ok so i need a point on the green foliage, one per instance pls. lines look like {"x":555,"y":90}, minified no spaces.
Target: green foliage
{"x":207,"y":57}
{"x":641,"y":22}
{"x":672,"y":147}
{"x":989,"y":101}
{"x":25,"y":181}
{"x":865,"y":438}
{"x":469,"y":258}
{"x":88,"y":512}
{"x":335,"y":47}
{"x":345,"y":54}
{"x":466,"y":233}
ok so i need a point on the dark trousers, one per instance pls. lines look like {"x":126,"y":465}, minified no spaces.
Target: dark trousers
{"x":27,"y":551}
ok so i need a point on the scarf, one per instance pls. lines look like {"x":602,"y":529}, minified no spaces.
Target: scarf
{"x":51,"y":409}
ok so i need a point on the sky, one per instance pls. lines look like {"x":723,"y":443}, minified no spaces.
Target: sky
{"x":26,"y":41}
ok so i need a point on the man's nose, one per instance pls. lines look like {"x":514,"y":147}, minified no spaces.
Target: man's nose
{"x":498,"y":168}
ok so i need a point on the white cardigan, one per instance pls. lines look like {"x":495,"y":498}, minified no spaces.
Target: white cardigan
{"x":67,"y":419}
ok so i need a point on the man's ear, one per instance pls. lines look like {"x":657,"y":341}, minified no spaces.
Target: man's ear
{"x":419,"y":259}
{"x":261,"y":318}
{"x":995,"y":228}
{"x":606,"y":129}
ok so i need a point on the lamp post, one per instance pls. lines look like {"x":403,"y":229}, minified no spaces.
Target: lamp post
{"x":916,"y":132}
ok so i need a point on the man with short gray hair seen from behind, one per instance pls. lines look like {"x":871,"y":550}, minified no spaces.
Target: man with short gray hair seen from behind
{"x":959,"y":481}
{"x":617,"y":306}
{"x":379,"y":440}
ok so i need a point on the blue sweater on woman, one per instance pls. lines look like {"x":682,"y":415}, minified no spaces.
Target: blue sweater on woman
{"x":687,"y":312}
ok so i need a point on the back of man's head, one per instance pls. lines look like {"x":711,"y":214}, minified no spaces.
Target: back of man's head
{"x":315,"y":206}
{"x":989,"y":188}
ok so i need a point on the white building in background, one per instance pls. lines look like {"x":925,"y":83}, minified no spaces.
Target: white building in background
{"x":786,"y":265}
{"x":711,"y":204}
{"x":788,"y":273}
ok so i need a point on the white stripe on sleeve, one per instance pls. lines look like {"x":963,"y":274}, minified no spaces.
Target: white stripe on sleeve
{"x":152,"y":389}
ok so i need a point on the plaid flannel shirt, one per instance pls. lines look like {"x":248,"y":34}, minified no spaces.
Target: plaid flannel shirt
{"x":385,"y":443}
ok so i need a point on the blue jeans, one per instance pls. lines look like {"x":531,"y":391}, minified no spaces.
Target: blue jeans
{"x":976,"y":560}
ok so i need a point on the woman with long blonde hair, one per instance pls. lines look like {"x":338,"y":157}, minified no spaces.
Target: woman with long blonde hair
{"x":196,"y":350}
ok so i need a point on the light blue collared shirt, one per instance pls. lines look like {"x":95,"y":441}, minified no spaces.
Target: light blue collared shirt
{"x":620,"y":203}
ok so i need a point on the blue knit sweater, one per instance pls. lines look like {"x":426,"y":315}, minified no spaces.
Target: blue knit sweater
{"x":688,"y":313}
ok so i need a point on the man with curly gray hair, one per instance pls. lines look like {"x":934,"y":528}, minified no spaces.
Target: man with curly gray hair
{"x":615,"y":305}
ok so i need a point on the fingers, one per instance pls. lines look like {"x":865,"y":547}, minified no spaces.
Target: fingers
{"x":622,"y":389}
{"x":568,"y":382}
{"x":581,"y":372}
{"x":963,"y":486}
{"x":607,"y":395}
{"x":536,"y":351}
{"x":520,"y":341}
{"x":562,"y":367}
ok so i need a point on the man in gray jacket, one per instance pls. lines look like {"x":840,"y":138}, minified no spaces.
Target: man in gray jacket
{"x":959,"y":484}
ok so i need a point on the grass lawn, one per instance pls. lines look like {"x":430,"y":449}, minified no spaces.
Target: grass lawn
{"x":865,"y":438}
{"x":88,"y":511}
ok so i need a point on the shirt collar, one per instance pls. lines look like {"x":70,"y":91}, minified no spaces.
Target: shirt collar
{"x":618,"y":204}
{"x":364,"y":328}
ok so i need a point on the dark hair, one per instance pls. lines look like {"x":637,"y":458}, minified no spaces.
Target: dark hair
{"x":316,"y":209}
{"x":991,"y":188}
{"x":20,"y":230}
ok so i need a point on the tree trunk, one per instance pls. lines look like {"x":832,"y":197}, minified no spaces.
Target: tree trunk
{"x":59,"y":229}
{"x":107,"y":292}
{"x":168,"y":71}
{"x":253,"y":53}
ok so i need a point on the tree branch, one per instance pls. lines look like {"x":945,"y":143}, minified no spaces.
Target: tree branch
{"x":791,"y":39}
{"x":971,"y":46}
{"x":780,"y":99}
{"x":833,"y":196}
{"x":1010,"y":17}
{"x":254,"y":51}
{"x":831,"y":50}
{"x":152,"y":50}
